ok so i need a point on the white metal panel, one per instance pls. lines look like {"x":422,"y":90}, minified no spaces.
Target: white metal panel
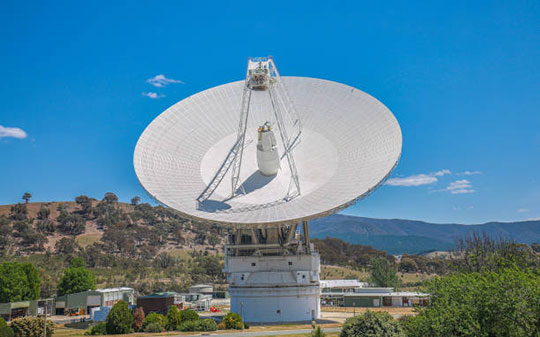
{"x":350,"y":143}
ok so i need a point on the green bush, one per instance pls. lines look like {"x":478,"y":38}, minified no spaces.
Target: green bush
{"x":372,"y":324}
{"x":173,"y":318}
{"x":5,"y":330}
{"x":232,"y":321}
{"x":503,"y":303}
{"x":98,"y":329}
{"x":189,"y":315}
{"x":317,"y":332}
{"x":154,"y":327}
{"x":31,"y":327}
{"x":120,"y":319}
{"x":208,"y":324}
{"x":190,"y":326}
{"x":246,"y":325}
{"x":155,"y":318}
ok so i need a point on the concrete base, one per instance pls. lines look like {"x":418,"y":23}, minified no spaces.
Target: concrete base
{"x":274,"y":288}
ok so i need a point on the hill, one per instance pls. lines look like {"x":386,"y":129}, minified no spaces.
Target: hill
{"x":397,"y":236}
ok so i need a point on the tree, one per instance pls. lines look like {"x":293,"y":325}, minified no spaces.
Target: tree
{"x":66,"y":246}
{"x":72,"y":224}
{"x":503,"y":303}
{"x":383,"y":274}
{"x":43,"y":213}
{"x":18,"y":212}
{"x":372,"y":324}
{"x":173,"y":318}
{"x":19,"y":282}
{"x":26,"y":196}
{"x":119,"y":320}
{"x":110,"y":198}
{"x":76,"y":280}
{"x":138,"y":319}
{"x":478,"y":253}
{"x":5,"y":234}
{"x":77,"y":262}
{"x":135,"y":200}
{"x":85,"y":203}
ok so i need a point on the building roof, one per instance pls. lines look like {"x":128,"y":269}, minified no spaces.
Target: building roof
{"x":111,"y":290}
{"x":386,"y":294}
{"x":202,"y":286}
{"x":160,"y":294}
{"x":341,"y":284}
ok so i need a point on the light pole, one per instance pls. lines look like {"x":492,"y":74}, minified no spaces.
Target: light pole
{"x":242,"y":309}
{"x":45,"y":306}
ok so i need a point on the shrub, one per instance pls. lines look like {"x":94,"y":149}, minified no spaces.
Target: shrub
{"x":317,"y":332}
{"x":190,"y":326}
{"x":98,"y":329}
{"x":189,"y":315}
{"x":31,"y":327}
{"x":246,"y":325}
{"x":208,"y":324}
{"x":232,"y":321}
{"x":221,"y":326}
{"x":154,"y":327}
{"x":5,"y":330}
{"x":173,"y":318}
{"x":372,"y":324}
{"x":155,"y":318}
{"x":119,"y":320}
{"x":138,"y":319}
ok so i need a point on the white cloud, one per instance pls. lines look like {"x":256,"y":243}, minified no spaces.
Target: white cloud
{"x":161,"y":81}
{"x":414,"y":180}
{"x":12,"y":132}
{"x":470,"y":173}
{"x":462,"y":186}
{"x":418,"y":179}
{"x":441,"y":173}
{"x":153,"y":95}
{"x":522,"y":210}
{"x":457,"y":208}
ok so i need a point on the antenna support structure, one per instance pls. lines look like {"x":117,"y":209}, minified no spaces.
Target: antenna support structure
{"x":261,"y":75}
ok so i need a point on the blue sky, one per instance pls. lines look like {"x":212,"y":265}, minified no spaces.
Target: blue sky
{"x":461,"y":77}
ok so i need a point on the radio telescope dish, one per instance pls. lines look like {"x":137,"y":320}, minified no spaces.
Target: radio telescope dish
{"x":265,"y":154}
{"x":335,"y":145}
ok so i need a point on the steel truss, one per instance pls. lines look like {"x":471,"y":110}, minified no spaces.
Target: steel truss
{"x":288,"y":122}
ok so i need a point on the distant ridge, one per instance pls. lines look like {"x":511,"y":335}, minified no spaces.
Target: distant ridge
{"x":397,"y":236}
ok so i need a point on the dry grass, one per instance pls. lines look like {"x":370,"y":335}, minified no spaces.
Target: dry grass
{"x":84,"y":240}
{"x":337,"y":273}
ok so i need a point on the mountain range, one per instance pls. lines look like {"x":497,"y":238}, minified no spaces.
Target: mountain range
{"x":397,"y":236}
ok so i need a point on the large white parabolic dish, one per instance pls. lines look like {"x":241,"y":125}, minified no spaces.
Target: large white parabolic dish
{"x":350,"y":143}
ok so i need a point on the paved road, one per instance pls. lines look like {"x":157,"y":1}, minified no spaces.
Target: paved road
{"x":266,"y":333}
